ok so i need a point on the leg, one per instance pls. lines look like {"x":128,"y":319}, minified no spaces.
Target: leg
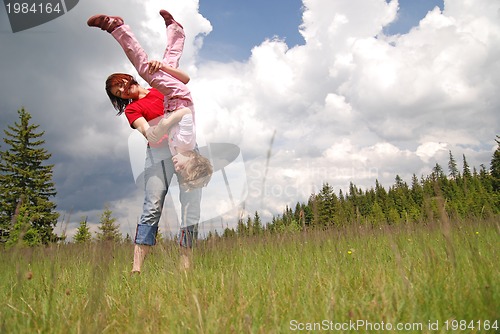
{"x":175,"y":43}
{"x":186,"y":258}
{"x":190,"y":216}
{"x":140,"y":252}
{"x":156,"y":178}
{"x":190,"y":211}
{"x":164,"y":82}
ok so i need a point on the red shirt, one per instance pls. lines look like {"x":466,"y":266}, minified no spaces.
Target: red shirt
{"x":149,"y":107}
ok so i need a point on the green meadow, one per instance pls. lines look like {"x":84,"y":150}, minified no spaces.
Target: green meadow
{"x":408,"y":279}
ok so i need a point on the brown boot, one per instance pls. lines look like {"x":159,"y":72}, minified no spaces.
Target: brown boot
{"x":108,"y":23}
{"x":169,"y":19}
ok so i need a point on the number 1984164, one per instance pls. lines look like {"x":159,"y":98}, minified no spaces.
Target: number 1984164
{"x":35,"y":8}
{"x":472,"y":325}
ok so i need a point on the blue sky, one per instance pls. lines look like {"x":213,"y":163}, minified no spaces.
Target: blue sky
{"x":356,"y":96}
{"x":240,"y":25}
{"x":410,"y":13}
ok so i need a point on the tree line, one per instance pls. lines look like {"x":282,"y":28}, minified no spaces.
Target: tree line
{"x":109,"y":230}
{"x":28,"y":214}
{"x":459,"y":195}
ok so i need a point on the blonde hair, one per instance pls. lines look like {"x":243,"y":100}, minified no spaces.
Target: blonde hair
{"x":198,"y":171}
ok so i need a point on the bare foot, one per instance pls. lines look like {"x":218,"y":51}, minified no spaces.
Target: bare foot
{"x":185,"y":262}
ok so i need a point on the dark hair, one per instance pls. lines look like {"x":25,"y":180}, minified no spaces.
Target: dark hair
{"x":115,"y":79}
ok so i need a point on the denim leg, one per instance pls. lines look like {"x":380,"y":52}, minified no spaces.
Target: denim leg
{"x":190,"y":216}
{"x":156,"y":178}
{"x":188,"y":235}
{"x":190,"y":212}
{"x":146,"y":234}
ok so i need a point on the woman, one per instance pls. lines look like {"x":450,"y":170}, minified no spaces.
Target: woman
{"x":144,"y":109}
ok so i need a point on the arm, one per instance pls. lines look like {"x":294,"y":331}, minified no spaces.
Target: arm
{"x":141,"y":125}
{"x":155,"y":65}
{"x":174,"y":118}
{"x":155,"y":133}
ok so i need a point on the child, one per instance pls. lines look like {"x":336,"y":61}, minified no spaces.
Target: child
{"x":194,"y":170}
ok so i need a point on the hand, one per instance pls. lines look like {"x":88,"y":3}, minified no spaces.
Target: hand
{"x":154,"y":66}
{"x":152,"y":135}
{"x":156,"y":132}
{"x":162,"y":127}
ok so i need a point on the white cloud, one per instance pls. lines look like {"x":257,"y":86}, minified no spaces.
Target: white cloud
{"x":428,"y":150}
{"x":351,"y":104}
{"x":354,"y":104}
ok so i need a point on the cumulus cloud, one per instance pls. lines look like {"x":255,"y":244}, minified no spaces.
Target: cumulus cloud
{"x":351,"y":104}
{"x":354,"y":104}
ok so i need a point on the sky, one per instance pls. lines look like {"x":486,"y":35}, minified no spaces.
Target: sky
{"x":309,"y":92}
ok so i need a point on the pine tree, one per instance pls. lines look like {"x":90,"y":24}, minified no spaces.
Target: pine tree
{"x":228,"y":233}
{"x":109,"y":230}
{"x":83,"y":233}
{"x":128,"y":238}
{"x":381,"y":195}
{"x":24,"y":174}
{"x":308,"y":215}
{"x":495,"y":167}
{"x":466,"y":169}
{"x":257,"y":224}
{"x":376,"y":215}
{"x":241,"y":228}
{"x":466,"y":175}
{"x":452,"y":166}
{"x":249,"y":225}
{"x":22,"y":232}
{"x":437,"y":173}
{"x":326,"y":205}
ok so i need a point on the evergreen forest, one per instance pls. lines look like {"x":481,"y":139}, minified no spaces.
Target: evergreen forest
{"x":28,"y":212}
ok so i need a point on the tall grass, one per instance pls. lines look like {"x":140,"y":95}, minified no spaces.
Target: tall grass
{"x":270,"y":284}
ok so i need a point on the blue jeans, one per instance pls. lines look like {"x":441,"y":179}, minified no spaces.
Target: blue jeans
{"x":157,"y":177}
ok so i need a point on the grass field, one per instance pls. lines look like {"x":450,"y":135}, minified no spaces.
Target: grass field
{"x":418,"y":279}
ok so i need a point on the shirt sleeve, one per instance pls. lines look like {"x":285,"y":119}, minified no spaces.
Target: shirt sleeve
{"x":187,"y":130}
{"x":132,"y":114}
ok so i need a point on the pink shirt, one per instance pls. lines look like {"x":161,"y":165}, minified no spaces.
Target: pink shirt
{"x":182,"y":136}
{"x":177,"y":95}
